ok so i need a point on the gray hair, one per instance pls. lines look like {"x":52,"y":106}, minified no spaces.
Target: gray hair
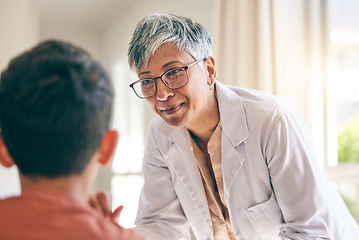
{"x":159,"y":28}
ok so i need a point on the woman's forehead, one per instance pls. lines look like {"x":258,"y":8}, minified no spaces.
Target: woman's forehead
{"x":167,"y":54}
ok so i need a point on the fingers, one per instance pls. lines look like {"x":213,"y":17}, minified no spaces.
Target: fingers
{"x":101,"y":202}
{"x":92,"y":202}
{"x":116,"y":214}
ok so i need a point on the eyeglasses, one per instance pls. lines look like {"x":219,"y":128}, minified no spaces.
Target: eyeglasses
{"x":174,"y":78}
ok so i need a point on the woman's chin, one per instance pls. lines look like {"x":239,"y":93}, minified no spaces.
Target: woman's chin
{"x":174,"y":122}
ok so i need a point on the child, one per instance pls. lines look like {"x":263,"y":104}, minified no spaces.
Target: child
{"x":55,"y":108}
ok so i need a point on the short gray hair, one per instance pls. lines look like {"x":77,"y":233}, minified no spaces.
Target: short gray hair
{"x":159,"y":28}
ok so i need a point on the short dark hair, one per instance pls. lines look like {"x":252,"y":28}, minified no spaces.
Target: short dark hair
{"x":55,"y":107}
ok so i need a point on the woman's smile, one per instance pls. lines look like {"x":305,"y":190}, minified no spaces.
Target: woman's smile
{"x":172,"y":109}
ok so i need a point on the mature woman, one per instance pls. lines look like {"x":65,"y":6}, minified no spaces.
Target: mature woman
{"x":230,"y":163}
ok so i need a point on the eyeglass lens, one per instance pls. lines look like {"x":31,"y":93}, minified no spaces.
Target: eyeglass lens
{"x":174,"y":78}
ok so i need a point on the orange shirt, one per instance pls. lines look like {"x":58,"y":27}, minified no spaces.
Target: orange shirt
{"x":210,"y":166}
{"x":44,"y":214}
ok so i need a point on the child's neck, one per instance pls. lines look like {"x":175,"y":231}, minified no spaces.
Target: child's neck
{"x":73,"y":185}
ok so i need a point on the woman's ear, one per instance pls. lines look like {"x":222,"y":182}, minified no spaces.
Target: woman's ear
{"x":210,"y":69}
{"x":108,"y":147}
{"x":5,"y":158}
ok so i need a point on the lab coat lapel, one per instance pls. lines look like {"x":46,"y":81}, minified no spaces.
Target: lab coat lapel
{"x":234,"y":132}
{"x":182,"y":161}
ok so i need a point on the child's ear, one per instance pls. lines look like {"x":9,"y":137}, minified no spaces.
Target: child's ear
{"x":108,"y":147}
{"x":5,"y":158}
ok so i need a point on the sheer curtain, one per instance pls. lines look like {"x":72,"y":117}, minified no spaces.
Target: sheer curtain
{"x":276,"y":46}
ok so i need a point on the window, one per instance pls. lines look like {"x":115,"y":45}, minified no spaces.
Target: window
{"x":343,"y":100}
{"x":127,"y":177}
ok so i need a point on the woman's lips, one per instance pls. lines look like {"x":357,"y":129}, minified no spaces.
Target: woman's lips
{"x":172,"y":109}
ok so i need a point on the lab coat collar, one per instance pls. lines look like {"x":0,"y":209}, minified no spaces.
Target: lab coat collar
{"x":234,"y":132}
{"x":233,"y":117}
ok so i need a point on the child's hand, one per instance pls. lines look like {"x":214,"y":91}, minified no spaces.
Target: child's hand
{"x":101,"y":202}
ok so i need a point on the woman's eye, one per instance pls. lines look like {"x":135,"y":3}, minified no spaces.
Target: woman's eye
{"x":173,"y":71}
{"x":147,"y":83}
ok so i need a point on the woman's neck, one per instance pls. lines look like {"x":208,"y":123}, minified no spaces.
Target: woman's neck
{"x":205,"y":126}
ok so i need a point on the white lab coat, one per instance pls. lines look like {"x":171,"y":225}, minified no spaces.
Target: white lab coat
{"x":273,"y":186}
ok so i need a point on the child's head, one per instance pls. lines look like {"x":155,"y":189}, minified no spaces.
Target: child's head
{"x":55,"y":107}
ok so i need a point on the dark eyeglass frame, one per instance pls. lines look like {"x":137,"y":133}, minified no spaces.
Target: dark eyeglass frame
{"x":164,"y":82}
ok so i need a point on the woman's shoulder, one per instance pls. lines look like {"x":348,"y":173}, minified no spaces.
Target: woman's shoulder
{"x":257,"y":100}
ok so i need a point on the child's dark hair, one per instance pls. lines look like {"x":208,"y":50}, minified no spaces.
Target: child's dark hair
{"x":55,"y":107}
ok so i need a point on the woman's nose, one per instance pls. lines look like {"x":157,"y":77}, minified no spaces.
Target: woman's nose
{"x":163,"y":92}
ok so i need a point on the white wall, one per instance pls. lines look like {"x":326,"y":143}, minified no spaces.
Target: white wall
{"x":84,"y":36}
{"x":18,"y":26}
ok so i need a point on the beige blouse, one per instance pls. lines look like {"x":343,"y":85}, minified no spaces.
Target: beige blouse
{"x":210,"y":166}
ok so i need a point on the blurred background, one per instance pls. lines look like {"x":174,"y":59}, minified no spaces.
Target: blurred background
{"x":304,"y":51}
